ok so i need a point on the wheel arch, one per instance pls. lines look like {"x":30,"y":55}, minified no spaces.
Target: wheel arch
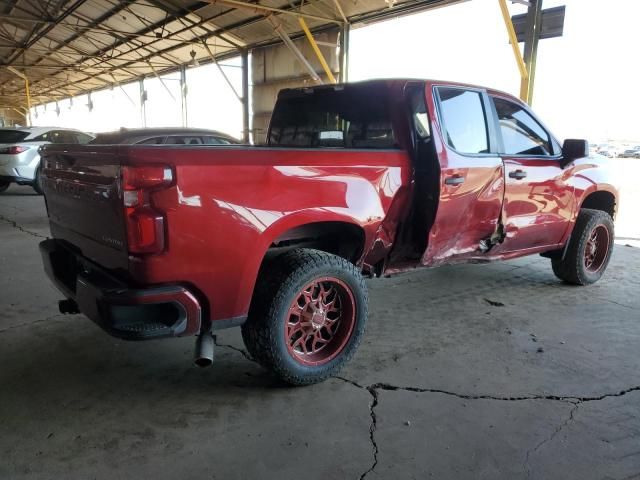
{"x":603,"y":200}
{"x":332,"y":233}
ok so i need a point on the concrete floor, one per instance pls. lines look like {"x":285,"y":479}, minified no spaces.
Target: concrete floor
{"x":466,"y":372}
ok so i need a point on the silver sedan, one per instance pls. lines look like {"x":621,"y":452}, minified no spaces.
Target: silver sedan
{"x":19,"y":157}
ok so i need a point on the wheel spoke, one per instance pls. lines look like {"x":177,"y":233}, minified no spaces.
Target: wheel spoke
{"x":316,"y":339}
{"x":295,"y":328}
{"x":312,"y":336}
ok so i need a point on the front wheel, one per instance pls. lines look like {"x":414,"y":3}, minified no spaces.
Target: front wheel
{"x":4,"y":185}
{"x":589,"y":249}
{"x":307,"y":316}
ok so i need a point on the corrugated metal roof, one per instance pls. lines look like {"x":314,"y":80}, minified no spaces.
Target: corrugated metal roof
{"x":67,"y":47}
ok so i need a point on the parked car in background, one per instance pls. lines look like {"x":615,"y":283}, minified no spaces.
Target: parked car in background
{"x":19,"y":157}
{"x":629,"y":153}
{"x":609,"y":152}
{"x":164,"y":136}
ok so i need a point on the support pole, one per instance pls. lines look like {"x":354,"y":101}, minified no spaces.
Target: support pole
{"x":524,"y":74}
{"x":183,"y":94}
{"x":317,"y":51}
{"x":344,"y":53}
{"x":222,"y":72}
{"x":143,"y":100}
{"x":294,"y":49}
{"x":244,"y":55}
{"x":531,"y":38}
{"x":27,"y":91}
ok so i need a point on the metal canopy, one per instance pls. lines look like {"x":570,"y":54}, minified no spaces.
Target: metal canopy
{"x":67,"y":47}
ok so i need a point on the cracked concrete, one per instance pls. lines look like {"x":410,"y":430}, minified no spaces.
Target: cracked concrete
{"x":21,"y":228}
{"x":448,"y":383}
{"x":574,"y":401}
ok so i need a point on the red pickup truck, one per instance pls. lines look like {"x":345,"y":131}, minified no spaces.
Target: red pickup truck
{"x":363,"y":179}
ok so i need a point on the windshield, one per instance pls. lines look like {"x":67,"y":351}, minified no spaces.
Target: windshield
{"x":12,"y":136}
{"x":342,"y":117}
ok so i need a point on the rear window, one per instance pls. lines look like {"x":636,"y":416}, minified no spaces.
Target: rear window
{"x":348,"y":117}
{"x":12,"y":136}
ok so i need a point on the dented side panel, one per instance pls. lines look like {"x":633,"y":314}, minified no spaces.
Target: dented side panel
{"x":468,"y":212}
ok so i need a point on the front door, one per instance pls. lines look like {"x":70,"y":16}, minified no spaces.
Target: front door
{"x":538,"y":203}
{"x":471,"y":174}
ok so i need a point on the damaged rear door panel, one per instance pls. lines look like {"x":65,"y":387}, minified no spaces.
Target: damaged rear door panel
{"x":471,"y":175}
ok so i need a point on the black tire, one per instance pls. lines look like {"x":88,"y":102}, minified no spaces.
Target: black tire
{"x":281,"y":282}
{"x":37,"y":181}
{"x":573,"y":267}
{"x":4,"y":185}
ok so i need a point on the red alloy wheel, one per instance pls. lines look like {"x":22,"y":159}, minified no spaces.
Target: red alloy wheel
{"x":596,"y":249}
{"x":320,"y":321}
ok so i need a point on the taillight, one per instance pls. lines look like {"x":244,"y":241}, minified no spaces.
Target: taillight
{"x":13,"y":150}
{"x":145,"y":224}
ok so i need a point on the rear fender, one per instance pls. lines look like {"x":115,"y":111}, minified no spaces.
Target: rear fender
{"x":369,"y":225}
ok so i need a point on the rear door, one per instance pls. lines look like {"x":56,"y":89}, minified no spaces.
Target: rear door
{"x":471,"y":173}
{"x":538,"y":202}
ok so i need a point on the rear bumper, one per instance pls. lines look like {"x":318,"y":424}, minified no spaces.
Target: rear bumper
{"x":124,"y":312}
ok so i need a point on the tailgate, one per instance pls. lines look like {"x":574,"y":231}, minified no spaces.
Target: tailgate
{"x":84,"y":201}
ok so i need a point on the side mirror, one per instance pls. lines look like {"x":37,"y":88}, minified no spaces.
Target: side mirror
{"x":573,"y":149}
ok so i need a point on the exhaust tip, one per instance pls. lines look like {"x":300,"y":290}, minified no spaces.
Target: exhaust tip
{"x":204,"y":350}
{"x":203,"y":362}
{"x":68,"y":306}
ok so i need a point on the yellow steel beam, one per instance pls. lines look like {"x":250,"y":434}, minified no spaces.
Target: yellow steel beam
{"x":522,"y":67}
{"x":317,"y":50}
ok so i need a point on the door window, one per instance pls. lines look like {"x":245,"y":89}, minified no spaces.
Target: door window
{"x":464,"y":120}
{"x":521,"y":133}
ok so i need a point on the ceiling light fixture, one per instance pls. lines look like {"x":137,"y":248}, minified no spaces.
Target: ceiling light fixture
{"x":193,"y":62}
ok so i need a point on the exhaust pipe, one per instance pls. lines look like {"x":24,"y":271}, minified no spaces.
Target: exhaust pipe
{"x":204,"y":350}
{"x":68,"y":306}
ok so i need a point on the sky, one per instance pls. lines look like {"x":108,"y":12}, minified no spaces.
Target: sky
{"x":587,"y":81}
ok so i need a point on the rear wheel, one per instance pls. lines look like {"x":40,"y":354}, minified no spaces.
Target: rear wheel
{"x":589,"y":249}
{"x":4,"y":185}
{"x":37,"y":181}
{"x":307,"y":317}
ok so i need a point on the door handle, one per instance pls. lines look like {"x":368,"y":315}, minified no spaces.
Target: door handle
{"x":454,"y":180}
{"x":518,"y":174}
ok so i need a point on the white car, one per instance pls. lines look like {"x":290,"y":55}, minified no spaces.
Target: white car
{"x":19,"y":157}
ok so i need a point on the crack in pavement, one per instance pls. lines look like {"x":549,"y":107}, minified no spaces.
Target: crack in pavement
{"x":372,"y":430}
{"x":243,"y":352}
{"x":25,"y":324}
{"x":557,"y":430}
{"x":21,"y":228}
{"x":373,"y":389}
